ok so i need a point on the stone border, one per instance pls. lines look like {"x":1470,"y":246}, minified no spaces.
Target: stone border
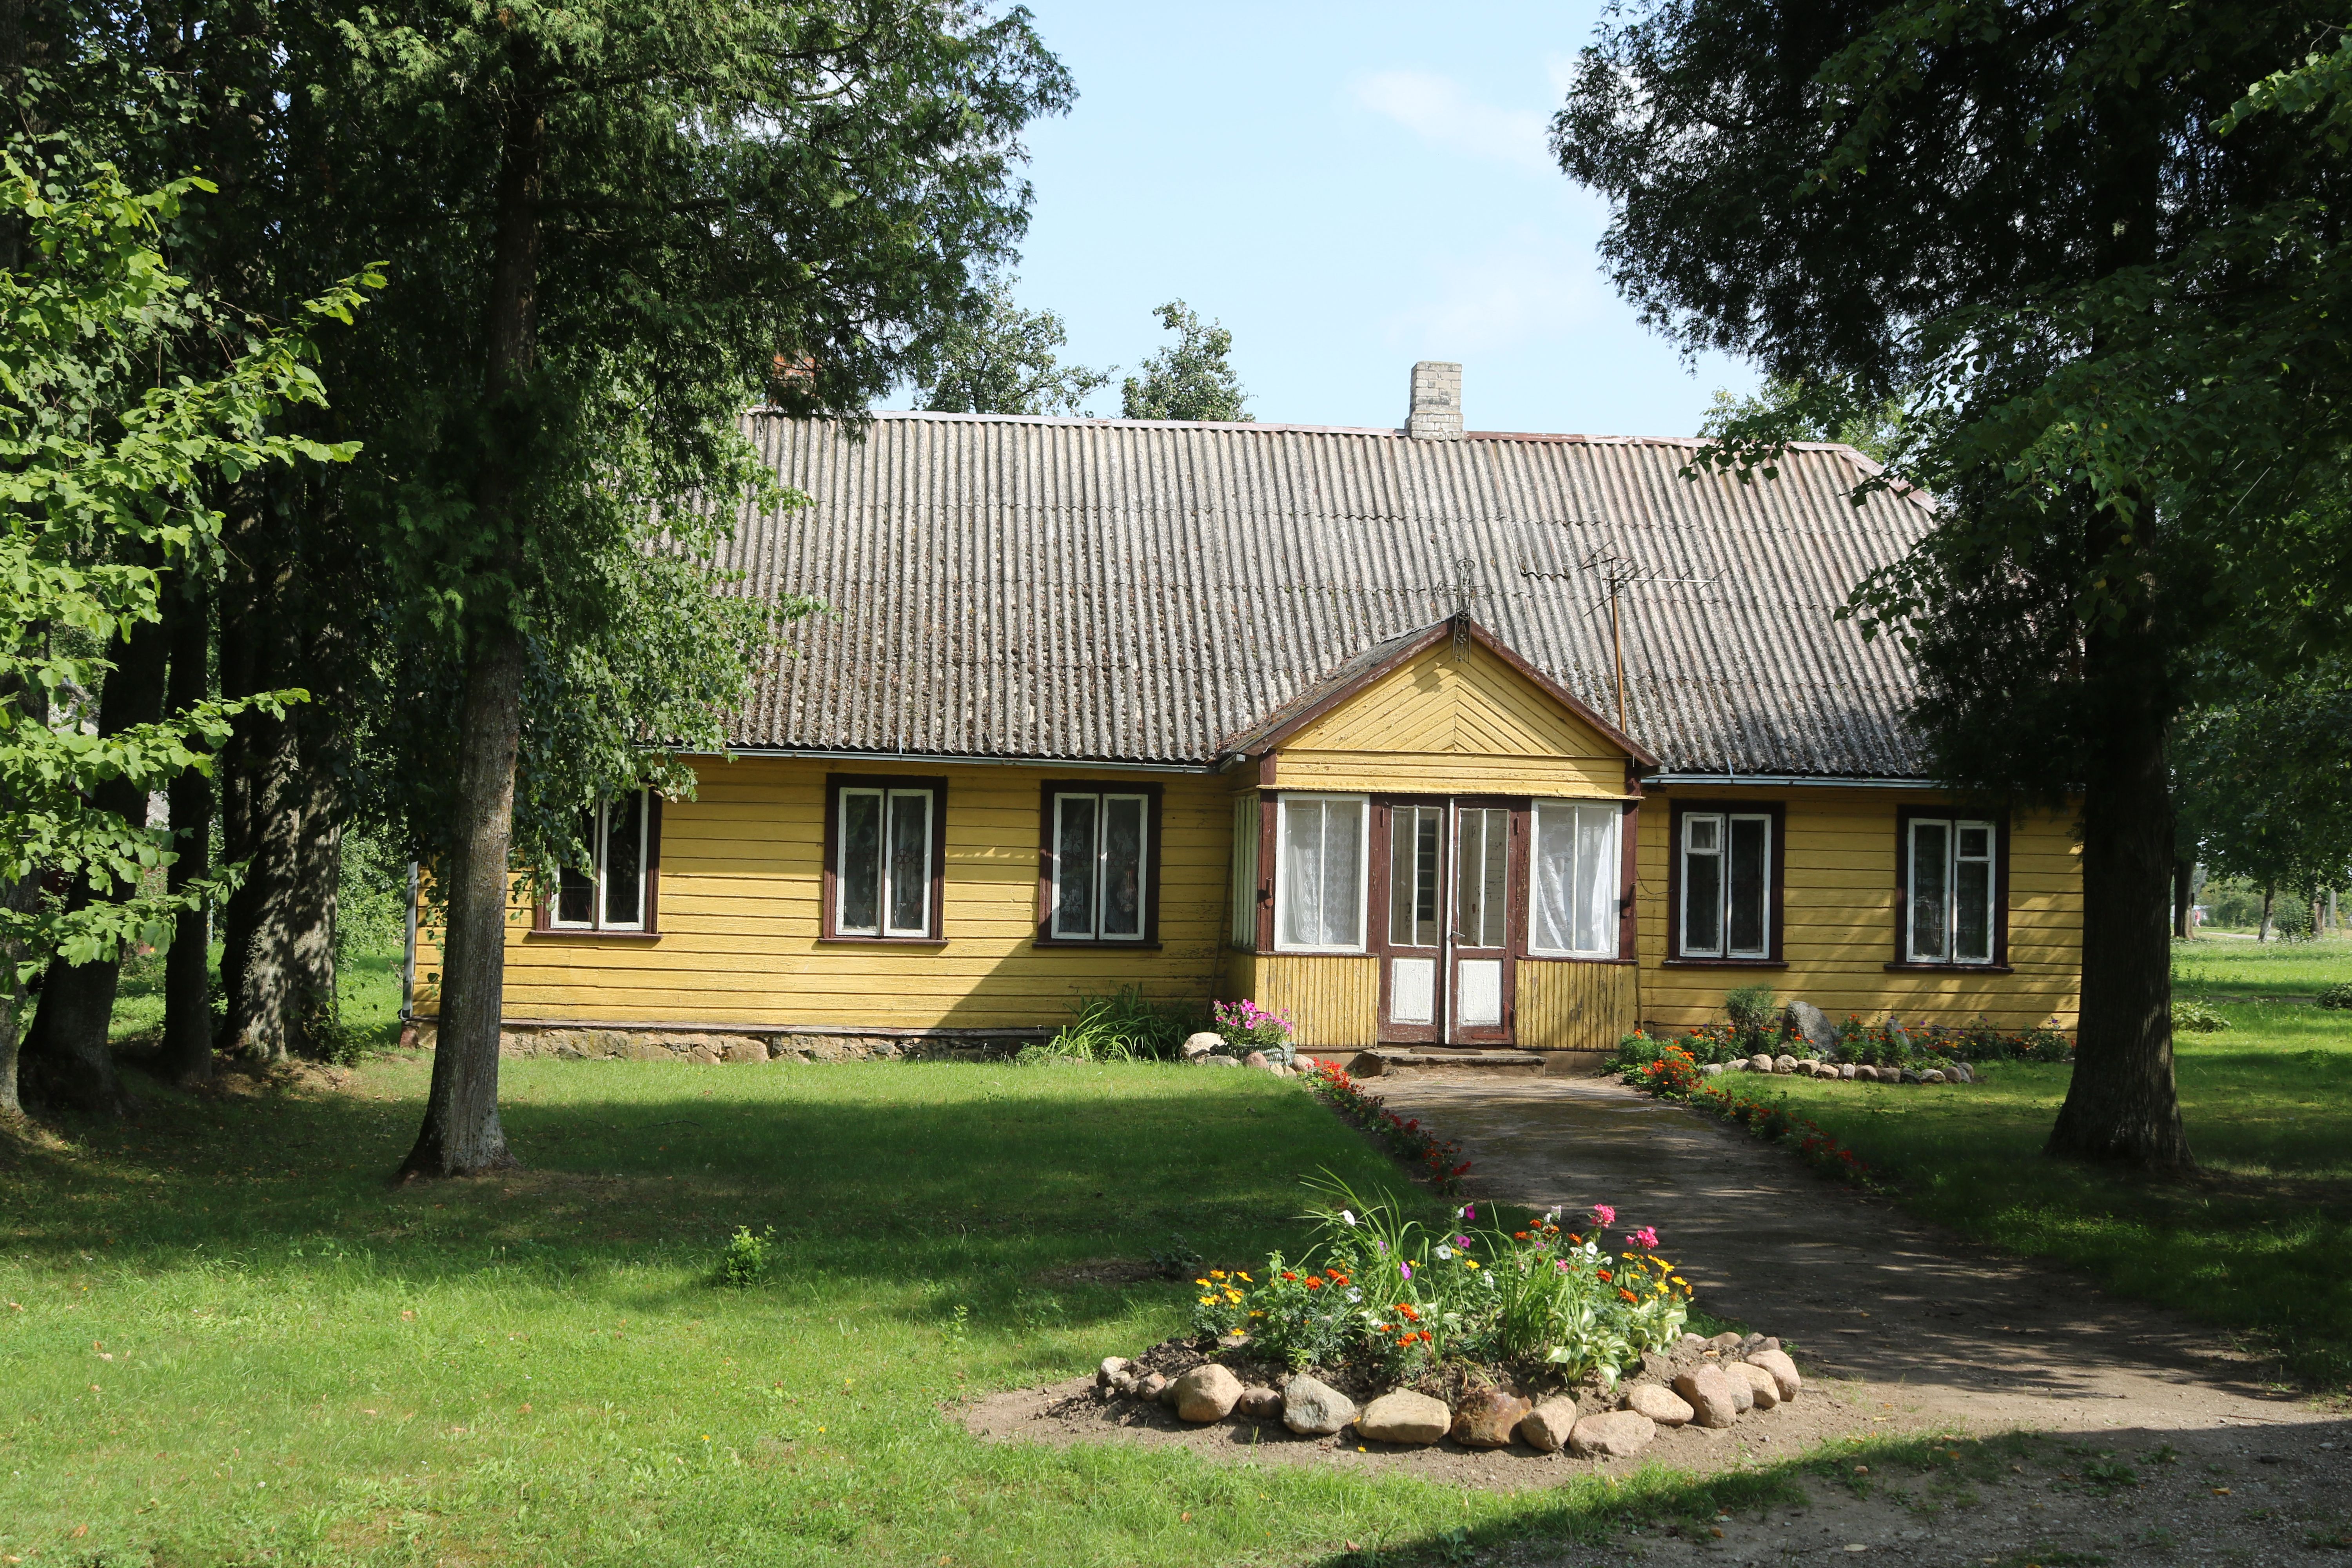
{"x":712,"y":1048}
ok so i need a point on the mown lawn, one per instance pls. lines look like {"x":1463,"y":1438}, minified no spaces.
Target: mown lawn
{"x":2259,"y":1241}
{"x":2220,"y":967}
{"x":224,"y":1340}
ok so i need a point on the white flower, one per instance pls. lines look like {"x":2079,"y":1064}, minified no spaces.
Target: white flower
{"x":1355,"y":1295}
{"x":1488,"y":1281}
{"x":1443,"y":1253}
{"x":1347,"y":1214}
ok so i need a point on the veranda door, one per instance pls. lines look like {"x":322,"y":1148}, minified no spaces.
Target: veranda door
{"x":1450,"y":882}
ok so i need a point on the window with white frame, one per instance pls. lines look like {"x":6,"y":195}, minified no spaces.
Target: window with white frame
{"x":1950,"y":899}
{"x":1726,"y":888}
{"x":1099,"y":865}
{"x":1318,"y":883}
{"x":1578,"y":866}
{"x":884,"y":873}
{"x":609,"y":892}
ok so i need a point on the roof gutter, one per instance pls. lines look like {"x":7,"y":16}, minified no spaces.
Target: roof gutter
{"x":1785,"y":781}
{"x":959,"y":761}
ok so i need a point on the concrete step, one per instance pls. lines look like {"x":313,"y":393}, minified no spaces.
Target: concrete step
{"x":1396,"y":1061}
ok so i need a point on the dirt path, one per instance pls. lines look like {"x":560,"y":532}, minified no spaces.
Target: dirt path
{"x":1900,"y":1328}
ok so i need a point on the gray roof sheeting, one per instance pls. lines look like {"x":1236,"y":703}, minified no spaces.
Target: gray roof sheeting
{"x":1134,"y":591}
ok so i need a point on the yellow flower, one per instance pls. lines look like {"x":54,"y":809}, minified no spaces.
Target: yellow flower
{"x":1199,"y":1281}
{"x":1234,"y":1296}
{"x":1208,"y":1300}
{"x":1469,"y":1263}
{"x":1246,"y":1279}
{"x":1216,"y":1274}
{"x":1257,"y":1314}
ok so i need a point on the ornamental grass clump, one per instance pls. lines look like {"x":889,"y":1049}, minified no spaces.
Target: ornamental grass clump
{"x":1384,"y":1293}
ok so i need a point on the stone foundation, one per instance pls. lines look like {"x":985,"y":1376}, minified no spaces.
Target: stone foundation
{"x":712,"y":1049}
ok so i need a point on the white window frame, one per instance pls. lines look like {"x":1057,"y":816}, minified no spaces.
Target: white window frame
{"x":1284,"y":876}
{"x":1990,"y":861}
{"x":1723,"y":949}
{"x":598,"y":861}
{"x":1102,"y":799}
{"x":1613,"y":859}
{"x":882,"y":929}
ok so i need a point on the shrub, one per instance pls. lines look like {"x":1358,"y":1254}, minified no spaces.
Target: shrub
{"x":1123,"y":1027}
{"x":744,"y":1259}
{"x":2194,"y":1014}
{"x":1754,"y":1013}
{"x":1245,"y":1027}
{"x":2336,"y":996}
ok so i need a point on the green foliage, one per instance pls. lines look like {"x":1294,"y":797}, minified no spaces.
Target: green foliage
{"x":1754,"y":1010}
{"x":1122,"y":1027}
{"x":2194,"y":1016}
{"x":1192,"y":378}
{"x":2258,"y":776}
{"x":2336,"y":996}
{"x":744,"y":1260}
{"x":1779,"y":411}
{"x":998,"y":358}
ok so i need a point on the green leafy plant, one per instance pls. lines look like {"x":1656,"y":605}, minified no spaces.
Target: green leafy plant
{"x":2336,"y":996}
{"x":2194,"y":1014}
{"x":1753,"y":1011}
{"x":1245,"y":1027}
{"x":1123,"y":1027}
{"x":744,"y":1260}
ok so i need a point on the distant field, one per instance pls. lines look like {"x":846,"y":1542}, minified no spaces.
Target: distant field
{"x":2219,"y":968}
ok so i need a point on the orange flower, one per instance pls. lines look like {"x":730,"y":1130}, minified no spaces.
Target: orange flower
{"x":1313,"y":1283}
{"x":1627,"y":1294}
{"x":1519,"y":1235}
{"x":1409,"y":1311}
{"x":1605,"y":1276}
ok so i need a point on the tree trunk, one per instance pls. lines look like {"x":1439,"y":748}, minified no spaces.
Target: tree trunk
{"x":314,"y":867}
{"x":461,"y":1132}
{"x":66,"y":1051}
{"x":2184,"y":898}
{"x":188,"y":1054}
{"x":2263,"y":931}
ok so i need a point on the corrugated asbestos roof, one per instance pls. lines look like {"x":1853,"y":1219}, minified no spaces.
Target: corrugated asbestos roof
{"x":1134,"y":591}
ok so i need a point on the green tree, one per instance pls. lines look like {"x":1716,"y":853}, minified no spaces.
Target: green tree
{"x":2104,"y":286}
{"x":2260,"y":773}
{"x":1778,"y":411}
{"x":611,"y":227}
{"x":1192,"y":378}
{"x":1001,"y":358}
{"x":102,"y":472}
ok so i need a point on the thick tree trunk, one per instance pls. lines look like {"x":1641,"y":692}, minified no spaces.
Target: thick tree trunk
{"x":68,"y":1052}
{"x":2184,"y":898}
{"x":314,"y":868}
{"x":188,"y":1054}
{"x":461,"y":1132}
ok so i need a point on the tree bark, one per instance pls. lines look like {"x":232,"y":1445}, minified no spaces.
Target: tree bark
{"x":66,"y":1051}
{"x":461,"y":1132}
{"x":2263,"y":931}
{"x":2184,"y":875}
{"x":188,"y":1054}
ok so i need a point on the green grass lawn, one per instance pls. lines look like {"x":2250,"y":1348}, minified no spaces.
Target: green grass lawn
{"x":369,"y":983}
{"x":2217,"y":967}
{"x":224,"y":1340}
{"x":2259,"y":1241}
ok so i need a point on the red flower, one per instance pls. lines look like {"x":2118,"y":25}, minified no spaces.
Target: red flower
{"x":1312,"y":1283}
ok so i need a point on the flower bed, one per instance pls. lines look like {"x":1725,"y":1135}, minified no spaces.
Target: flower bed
{"x":1675,"y":1073}
{"x":1437,"y":1159}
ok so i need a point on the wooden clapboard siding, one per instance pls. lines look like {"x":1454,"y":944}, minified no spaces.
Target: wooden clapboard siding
{"x":1564,"y":1006}
{"x":1838,"y":912}
{"x":1333,"y":1000}
{"x":739,"y":913}
{"x":1449,"y":723}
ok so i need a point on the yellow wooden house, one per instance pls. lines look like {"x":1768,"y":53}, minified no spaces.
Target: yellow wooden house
{"x":1429,"y":737}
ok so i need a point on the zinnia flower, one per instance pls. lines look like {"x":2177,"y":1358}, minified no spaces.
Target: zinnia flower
{"x":1603,"y":1216}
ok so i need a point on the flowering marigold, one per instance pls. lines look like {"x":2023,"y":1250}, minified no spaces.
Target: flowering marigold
{"x":1246,"y":1279}
{"x":1627,"y":1294}
{"x":1606,"y":1277}
{"x":1409,"y":1311}
{"x":1313,"y":1283}
{"x":1286,"y":1274}
{"x":1520,"y":1236}
{"x":1469,"y":1263}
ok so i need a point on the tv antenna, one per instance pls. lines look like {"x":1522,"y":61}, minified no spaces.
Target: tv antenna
{"x":1619,"y":575}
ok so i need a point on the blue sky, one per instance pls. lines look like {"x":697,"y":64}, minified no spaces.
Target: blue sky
{"x":1349,"y":188}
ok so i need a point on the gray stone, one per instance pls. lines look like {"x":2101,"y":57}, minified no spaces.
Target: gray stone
{"x":1710,"y":1393}
{"x":1404,"y":1416}
{"x":1661,"y":1405}
{"x":1960,"y":1071}
{"x":745,"y":1050}
{"x":1255,"y":1059}
{"x":1849,"y":1072}
{"x":1486,"y":1418}
{"x":1727,"y":1342}
{"x":1315,"y":1409}
{"x":1619,"y":1435}
{"x":1776,"y":1361}
{"x":1150,"y":1386}
{"x":1203,"y":1044}
{"x":1258,"y":1404}
{"x":1908,"y":1076}
{"x":1760,"y":1063}
{"x":1113,"y":1368}
{"x":1743,"y":1393}
{"x":1711,"y":1069}
{"x":1209,"y":1392}
{"x":1933,"y":1075}
{"x":1866,"y":1073}
{"x":1784,"y":1062}
{"x":1764,"y":1389}
{"x":1546,"y":1428}
{"x":1802,"y":1020}
{"x":1215,"y":1062}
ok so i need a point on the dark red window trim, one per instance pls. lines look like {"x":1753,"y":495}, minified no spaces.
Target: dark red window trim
{"x":1152,"y":795}
{"x":1904,"y":817}
{"x":834,"y":785}
{"x":1776,"y":881}
{"x":543,"y":918}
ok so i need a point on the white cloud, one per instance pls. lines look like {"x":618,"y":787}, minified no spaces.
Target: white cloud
{"x":1529,"y":288}
{"x":1435,"y":108}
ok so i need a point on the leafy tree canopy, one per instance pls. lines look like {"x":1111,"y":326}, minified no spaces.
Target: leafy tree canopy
{"x":1001,"y":358}
{"x":1778,"y":411}
{"x":1192,"y":378}
{"x":2262,"y":775}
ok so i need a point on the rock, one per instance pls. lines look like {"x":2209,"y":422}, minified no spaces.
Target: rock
{"x":1487,"y":1417}
{"x":1315,"y":1409}
{"x":1784,"y":1063}
{"x":1113,"y":1368}
{"x":1304,"y":1064}
{"x":1960,"y":1072}
{"x":1619,"y":1435}
{"x":1711,"y":1069}
{"x":1709,"y":1392}
{"x":1849,"y":1072}
{"x":1805,"y":1021}
{"x":1866,"y":1073}
{"x":1775,"y":1361}
{"x":1690,"y":1342}
{"x":704,"y":1055}
{"x":1404,"y":1416}
{"x":1760,"y":1063}
{"x":1203,"y":1043}
{"x":1258,"y":1404}
{"x":1727,"y":1341}
{"x":1763,"y":1387}
{"x":1907,"y":1076}
{"x":1743,"y":1393}
{"x":1209,"y":1392}
{"x":1149,"y":1385}
{"x":1661,"y":1405}
{"x":1933,"y":1075}
{"x":1256,"y":1060}
{"x":1546,"y":1428}
{"x":1215,"y":1062}
{"x":744,"y":1051}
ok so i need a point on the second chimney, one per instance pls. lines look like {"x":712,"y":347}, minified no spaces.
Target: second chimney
{"x":1436,"y":412}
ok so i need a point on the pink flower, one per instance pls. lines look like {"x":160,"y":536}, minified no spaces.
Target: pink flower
{"x":1406,"y":1269}
{"x":1603,"y":1214}
{"x":1647,"y":1235}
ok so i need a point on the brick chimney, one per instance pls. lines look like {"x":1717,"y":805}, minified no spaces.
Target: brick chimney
{"x":1436,"y":412}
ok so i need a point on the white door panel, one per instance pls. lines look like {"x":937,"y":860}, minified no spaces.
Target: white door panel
{"x":1412,"y":990}
{"x":1478,"y":993}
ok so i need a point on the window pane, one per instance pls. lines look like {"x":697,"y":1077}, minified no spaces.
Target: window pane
{"x":1404,"y":864}
{"x":1302,"y":872}
{"x":1554,"y":890}
{"x":910,"y":863}
{"x":1702,"y":887}
{"x":1749,"y":864}
{"x":1930,"y":914}
{"x":624,"y":857}
{"x":1481,"y":859}
{"x":1074,"y":865}
{"x":1596,"y":880}
{"x":860,"y":914}
{"x":1343,"y":859}
{"x":1971,"y":910}
{"x":1975,"y":841}
{"x":1246,"y":829}
{"x":1122,"y":865}
{"x":575,"y":889}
